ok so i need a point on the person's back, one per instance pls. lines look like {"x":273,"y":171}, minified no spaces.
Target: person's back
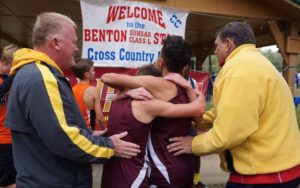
{"x":135,"y":116}
{"x":79,"y":90}
{"x":119,"y":172}
{"x":123,"y":172}
{"x":167,"y":169}
{"x":128,"y":115}
{"x":175,"y":55}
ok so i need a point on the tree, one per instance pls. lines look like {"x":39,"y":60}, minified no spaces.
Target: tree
{"x":214,"y":64}
{"x":275,"y":58}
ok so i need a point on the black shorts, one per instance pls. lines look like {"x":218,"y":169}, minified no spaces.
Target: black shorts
{"x":7,"y":169}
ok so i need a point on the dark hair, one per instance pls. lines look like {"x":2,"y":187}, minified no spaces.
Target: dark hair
{"x":176,"y":52}
{"x":150,"y":69}
{"x":82,"y":66}
{"x":240,"y":32}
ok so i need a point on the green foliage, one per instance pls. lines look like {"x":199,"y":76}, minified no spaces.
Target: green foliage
{"x":298,"y":64}
{"x":214,"y":64}
{"x":275,"y":58}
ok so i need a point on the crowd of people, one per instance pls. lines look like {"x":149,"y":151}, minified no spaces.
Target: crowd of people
{"x":47,"y":136}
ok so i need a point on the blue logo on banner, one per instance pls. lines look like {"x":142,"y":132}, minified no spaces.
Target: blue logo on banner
{"x":175,"y":21}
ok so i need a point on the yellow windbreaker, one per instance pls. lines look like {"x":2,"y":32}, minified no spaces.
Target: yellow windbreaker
{"x":254,"y":116}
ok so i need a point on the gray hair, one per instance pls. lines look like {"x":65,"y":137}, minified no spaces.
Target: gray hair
{"x":46,"y":24}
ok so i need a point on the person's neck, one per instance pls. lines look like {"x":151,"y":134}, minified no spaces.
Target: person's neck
{"x":50,"y":53}
{"x":165,"y":72}
{"x":85,"y":81}
{"x":44,"y":50}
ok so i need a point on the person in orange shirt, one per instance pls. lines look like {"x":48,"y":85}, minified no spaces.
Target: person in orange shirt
{"x":87,"y":96}
{"x":7,"y":169}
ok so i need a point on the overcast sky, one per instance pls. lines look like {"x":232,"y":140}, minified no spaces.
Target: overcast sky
{"x":273,"y":48}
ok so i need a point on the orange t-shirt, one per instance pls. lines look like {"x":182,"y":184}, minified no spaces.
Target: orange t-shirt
{"x":5,"y":136}
{"x":78,"y":91}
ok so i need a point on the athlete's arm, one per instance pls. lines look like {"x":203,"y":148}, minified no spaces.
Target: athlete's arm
{"x":156,"y":107}
{"x":178,"y":79}
{"x":122,"y":81}
{"x":137,"y":94}
{"x":98,"y":109}
{"x":92,"y":101}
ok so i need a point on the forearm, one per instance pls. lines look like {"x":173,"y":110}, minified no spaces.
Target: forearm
{"x":201,"y":107}
{"x":120,"y":95}
{"x":120,"y":81}
{"x":101,"y":122}
{"x":191,"y":93}
{"x":200,"y":104}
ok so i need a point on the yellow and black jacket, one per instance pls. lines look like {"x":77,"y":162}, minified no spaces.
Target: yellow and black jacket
{"x":52,"y":145}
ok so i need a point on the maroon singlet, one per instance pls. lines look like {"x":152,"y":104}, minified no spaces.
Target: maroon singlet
{"x":120,"y":172}
{"x":168,"y":170}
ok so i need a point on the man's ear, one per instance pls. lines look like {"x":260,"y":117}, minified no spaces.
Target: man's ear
{"x":54,"y":42}
{"x":86,"y":75}
{"x":229,"y":45}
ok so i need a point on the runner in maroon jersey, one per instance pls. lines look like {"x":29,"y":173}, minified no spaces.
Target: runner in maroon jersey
{"x":135,"y":117}
{"x":166,"y":169}
{"x":175,"y":55}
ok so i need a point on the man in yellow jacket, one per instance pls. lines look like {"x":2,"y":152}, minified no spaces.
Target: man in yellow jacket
{"x":254,"y":126}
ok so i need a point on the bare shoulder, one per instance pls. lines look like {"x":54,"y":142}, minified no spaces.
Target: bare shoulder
{"x":164,"y":89}
{"x":92,"y":90}
{"x":91,"y":94}
{"x":142,"y":110}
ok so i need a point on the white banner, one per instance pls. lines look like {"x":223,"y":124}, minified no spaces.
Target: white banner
{"x":127,"y":33}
